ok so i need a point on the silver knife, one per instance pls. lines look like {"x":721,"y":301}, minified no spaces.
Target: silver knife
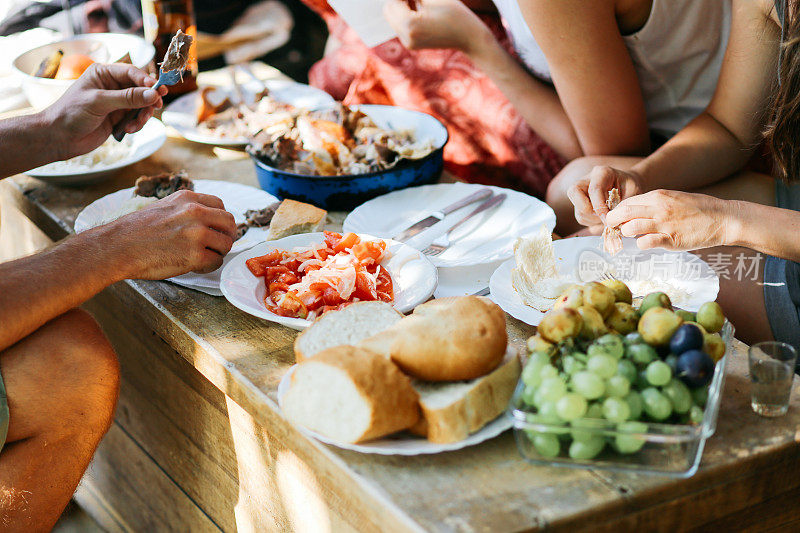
{"x":438,"y":216}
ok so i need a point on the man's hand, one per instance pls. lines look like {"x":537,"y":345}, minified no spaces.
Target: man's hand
{"x":589,"y":195}
{"x":675,"y":220}
{"x":185,"y":232}
{"x":436,"y":24}
{"x":83,"y":118}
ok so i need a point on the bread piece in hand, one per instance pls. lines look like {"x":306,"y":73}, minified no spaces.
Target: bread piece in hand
{"x":350,"y":395}
{"x":349,"y":326}
{"x":453,"y":411}
{"x":292,"y":218}
{"x":447,"y":339}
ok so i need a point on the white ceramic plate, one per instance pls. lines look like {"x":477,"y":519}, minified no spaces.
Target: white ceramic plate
{"x":403,"y":443}
{"x":181,"y":114}
{"x":688,"y":280}
{"x":237,"y":198}
{"x":487,"y":238}
{"x":413,"y":276}
{"x":143,"y":144}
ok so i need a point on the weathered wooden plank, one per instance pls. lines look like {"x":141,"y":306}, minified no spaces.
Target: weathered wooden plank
{"x":145,"y":497}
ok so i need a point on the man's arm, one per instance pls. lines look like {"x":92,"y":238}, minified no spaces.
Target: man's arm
{"x":184,"y":232}
{"x":24,"y":144}
{"x":81,"y":120}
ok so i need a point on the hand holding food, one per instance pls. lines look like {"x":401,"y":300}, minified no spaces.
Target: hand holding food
{"x":82,"y":119}
{"x":184,"y":232}
{"x":435,"y":24}
{"x":674,"y":220}
{"x":590,"y":195}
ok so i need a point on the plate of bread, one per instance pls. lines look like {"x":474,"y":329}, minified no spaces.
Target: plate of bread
{"x":293,"y":280}
{"x":259,"y":215}
{"x":543,"y":271}
{"x":371,"y":380}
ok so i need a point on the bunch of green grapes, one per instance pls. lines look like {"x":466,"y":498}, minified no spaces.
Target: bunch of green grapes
{"x":587,"y":377}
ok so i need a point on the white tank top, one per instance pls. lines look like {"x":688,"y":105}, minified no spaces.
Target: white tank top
{"x":677,"y":55}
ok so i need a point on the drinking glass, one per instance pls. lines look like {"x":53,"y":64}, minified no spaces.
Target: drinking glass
{"x":772,"y":366}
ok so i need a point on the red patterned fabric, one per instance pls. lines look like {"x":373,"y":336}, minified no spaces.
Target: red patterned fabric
{"x":489,"y":141}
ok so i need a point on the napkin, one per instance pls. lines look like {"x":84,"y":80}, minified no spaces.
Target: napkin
{"x":366,"y":19}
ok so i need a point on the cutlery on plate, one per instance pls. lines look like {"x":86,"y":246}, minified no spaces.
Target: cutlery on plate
{"x":443,"y":243}
{"x":171,"y":77}
{"x":438,"y":216}
{"x":483,"y":292}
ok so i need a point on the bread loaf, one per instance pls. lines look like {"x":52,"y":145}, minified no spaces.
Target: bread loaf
{"x":293,"y":217}
{"x":447,"y":339}
{"x":350,"y":395}
{"x":349,"y":326}
{"x":453,"y":411}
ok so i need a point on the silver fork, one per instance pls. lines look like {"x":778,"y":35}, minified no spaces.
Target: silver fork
{"x":607,"y":276}
{"x":443,"y":243}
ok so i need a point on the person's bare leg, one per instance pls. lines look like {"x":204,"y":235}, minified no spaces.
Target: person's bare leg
{"x":742,"y":300}
{"x":575,"y":170}
{"x":62,"y":384}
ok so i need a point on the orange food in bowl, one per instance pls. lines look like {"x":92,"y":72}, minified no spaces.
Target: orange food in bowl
{"x":72,"y":66}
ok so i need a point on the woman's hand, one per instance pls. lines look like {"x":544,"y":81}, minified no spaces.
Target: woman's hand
{"x":82,"y":119}
{"x":589,"y":195}
{"x":436,"y":24}
{"x":675,"y":220}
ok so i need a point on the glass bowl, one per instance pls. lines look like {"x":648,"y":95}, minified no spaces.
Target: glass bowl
{"x":669,"y":449}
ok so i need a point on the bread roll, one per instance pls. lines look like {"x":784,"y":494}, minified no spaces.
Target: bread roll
{"x":349,"y":326}
{"x":350,"y":395}
{"x":453,"y":411}
{"x":448,"y":339}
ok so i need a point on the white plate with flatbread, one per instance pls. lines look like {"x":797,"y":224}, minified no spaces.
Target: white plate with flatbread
{"x":687,"y":279}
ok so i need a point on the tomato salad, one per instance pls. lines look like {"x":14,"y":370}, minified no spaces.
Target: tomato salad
{"x":309,"y":281}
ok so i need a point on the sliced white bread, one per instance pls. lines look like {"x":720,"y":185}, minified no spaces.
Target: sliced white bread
{"x":447,"y":339}
{"x":350,"y":395}
{"x":453,"y":411}
{"x":349,"y":326}
{"x":292,"y":218}
{"x":535,"y":277}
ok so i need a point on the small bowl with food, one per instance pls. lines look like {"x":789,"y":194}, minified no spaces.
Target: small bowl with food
{"x":47,"y":71}
{"x":341,"y":157}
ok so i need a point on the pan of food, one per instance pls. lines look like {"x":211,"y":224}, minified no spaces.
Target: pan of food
{"x":340,"y":157}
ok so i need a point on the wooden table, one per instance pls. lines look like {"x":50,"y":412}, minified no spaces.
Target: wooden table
{"x":199,"y":444}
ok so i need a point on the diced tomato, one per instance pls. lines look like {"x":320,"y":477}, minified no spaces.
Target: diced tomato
{"x":292,"y":306}
{"x":385,"y":286}
{"x":332,"y":238}
{"x":365,"y":290}
{"x":258,"y":265}
{"x":369,"y":250}
{"x":348,"y":241}
{"x":331,"y":297}
{"x":277,"y":286}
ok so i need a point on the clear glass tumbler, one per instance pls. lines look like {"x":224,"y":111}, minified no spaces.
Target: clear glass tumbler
{"x":772,"y":366}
